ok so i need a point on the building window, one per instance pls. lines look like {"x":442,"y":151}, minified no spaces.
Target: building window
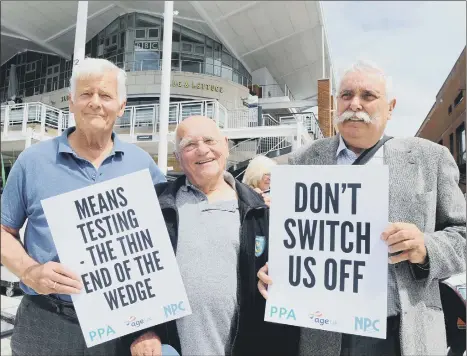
{"x":460,"y":137}
{"x":450,"y":109}
{"x":451,"y":143}
{"x":459,"y":98}
{"x":153,"y":33}
{"x":31,"y":67}
{"x":140,"y":34}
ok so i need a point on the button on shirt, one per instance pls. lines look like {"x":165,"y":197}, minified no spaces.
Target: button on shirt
{"x":51,"y":168}
{"x":346,"y":156}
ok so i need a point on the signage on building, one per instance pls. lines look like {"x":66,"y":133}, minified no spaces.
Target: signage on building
{"x":63,"y":98}
{"x":144,"y":138}
{"x":146,"y":45}
{"x":194,"y":85}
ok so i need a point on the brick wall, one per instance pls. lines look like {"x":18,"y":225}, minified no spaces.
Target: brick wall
{"x":325,"y":107}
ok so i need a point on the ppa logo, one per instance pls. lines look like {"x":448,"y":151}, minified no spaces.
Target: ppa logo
{"x":136,"y":323}
{"x":366,"y":324}
{"x":319,"y":318}
{"x":101,"y":333}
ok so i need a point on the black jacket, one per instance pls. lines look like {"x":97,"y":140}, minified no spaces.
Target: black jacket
{"x":250,"y":334}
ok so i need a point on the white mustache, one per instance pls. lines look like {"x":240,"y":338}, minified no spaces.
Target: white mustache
{"x":349,"y":114}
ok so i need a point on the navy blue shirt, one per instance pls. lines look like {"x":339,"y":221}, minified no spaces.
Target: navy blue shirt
{"x":51,"y":168}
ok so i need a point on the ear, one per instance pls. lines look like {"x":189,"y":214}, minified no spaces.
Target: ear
{"x":177,"y":156}
{"x":226,"y":140}
{"x":70,"y":102}
{"x":392,"y":105}
{"x":122,"y":109}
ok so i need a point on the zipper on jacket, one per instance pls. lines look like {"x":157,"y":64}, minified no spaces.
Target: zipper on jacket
{"x":239,"y":284}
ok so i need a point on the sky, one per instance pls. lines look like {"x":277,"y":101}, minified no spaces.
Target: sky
{"x":416,"y":43}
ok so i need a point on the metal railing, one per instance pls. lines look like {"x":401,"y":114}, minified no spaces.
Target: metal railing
{"x":273,"y":91}
{"x":253,"y":147}
{"x":309,"y":121}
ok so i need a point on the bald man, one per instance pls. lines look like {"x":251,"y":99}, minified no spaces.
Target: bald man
{"x":219,"y":231}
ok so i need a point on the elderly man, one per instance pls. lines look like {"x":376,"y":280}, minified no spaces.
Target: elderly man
{"x":89,"y":153}
{"x":219,"y":231}
{"x":426,"y":239}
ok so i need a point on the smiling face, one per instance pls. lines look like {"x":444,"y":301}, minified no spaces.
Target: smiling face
{"x":202,"y":150}
{"x":362,"y":108}
{"x":95,"y":104}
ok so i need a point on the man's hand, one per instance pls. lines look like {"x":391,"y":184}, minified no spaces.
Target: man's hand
{"x":51,"y":278}
{"x":405,"y":238}
{"x":148,"y":344}
{"x":264,"y":281}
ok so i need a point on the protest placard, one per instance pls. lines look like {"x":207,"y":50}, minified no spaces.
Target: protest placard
{"x":113,"y":235}
{"x":327,"y":261}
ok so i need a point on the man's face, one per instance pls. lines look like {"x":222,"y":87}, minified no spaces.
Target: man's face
{"x":362,"y":109}
{"x":95,"y":104}
{"x":202,"y":151}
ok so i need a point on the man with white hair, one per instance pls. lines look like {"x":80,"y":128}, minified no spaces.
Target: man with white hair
{"x":46,"y":322}
{"x":426,"y":234}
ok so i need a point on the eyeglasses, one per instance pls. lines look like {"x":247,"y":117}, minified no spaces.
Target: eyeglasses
{"x":192,"y":145}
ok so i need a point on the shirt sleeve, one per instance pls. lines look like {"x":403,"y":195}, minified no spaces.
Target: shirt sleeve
{"x":14,"y":209}
{"x":156,"y":174}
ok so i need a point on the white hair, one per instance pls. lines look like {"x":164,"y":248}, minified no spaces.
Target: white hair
{"x":259,"y":166}
{"x":98,"y":66}
{"x":369,"y":67}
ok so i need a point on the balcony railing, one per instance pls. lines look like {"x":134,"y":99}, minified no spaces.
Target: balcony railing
{"x":272,"y":91}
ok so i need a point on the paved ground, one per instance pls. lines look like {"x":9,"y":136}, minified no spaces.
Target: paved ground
{"x":8,"y":305}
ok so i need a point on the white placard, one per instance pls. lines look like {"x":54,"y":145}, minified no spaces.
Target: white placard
{"x":113,"y":235}
{"x":342,"y":285}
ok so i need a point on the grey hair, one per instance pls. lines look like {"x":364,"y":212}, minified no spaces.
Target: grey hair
{"x":259,"y":166}
{"x":98,"y":66}
{"x":369,"y":67}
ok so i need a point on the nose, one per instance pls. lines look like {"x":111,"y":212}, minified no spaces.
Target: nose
{"x":355,"y":104}
{"x":202,"y":148}
{"x":95,"y":102}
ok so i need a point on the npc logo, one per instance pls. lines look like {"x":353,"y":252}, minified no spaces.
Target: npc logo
{"x":260,"y":243}
{"x":366,"y":324}
{"x":318,"y":318}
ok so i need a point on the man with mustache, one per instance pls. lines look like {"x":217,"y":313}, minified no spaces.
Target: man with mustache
{"x":219,"y":231}
{"x":426,"y":236}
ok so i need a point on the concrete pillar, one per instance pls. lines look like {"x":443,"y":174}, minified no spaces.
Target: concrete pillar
{"x":80,"y":42}
{"x":323,"y":52}
{"x":165,"y":86}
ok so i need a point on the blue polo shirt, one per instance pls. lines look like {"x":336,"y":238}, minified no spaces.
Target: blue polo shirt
{"x":51,"y":168}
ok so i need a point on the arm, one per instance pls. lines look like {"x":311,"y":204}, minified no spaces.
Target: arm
{"x":446,"y":246}
{"x":13,"y":255}
{"x":48,"y":278}
{"x":156,"y":173}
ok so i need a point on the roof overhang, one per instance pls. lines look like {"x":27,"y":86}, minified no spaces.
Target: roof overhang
{"x":286,"y":37}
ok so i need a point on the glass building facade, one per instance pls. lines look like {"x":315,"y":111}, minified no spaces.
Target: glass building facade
{"x":133,"y":42}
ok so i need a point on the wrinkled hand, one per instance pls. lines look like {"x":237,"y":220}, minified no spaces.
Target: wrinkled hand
{"x":405,"y":238}
{"x":266,"y":197}
{"x":264,"y":281}
{"x":148,"y":344}
{"x":52,"y":278}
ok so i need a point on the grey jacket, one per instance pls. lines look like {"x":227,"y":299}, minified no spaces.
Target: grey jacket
{"x":423,"y":190}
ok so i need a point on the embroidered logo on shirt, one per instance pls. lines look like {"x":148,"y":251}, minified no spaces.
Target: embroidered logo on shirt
{"x":260,"y":242}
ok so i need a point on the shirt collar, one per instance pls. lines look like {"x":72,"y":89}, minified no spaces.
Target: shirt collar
{"x":64,"y":144}
{"x":343,"y":146}
{"x":227,"y":177}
